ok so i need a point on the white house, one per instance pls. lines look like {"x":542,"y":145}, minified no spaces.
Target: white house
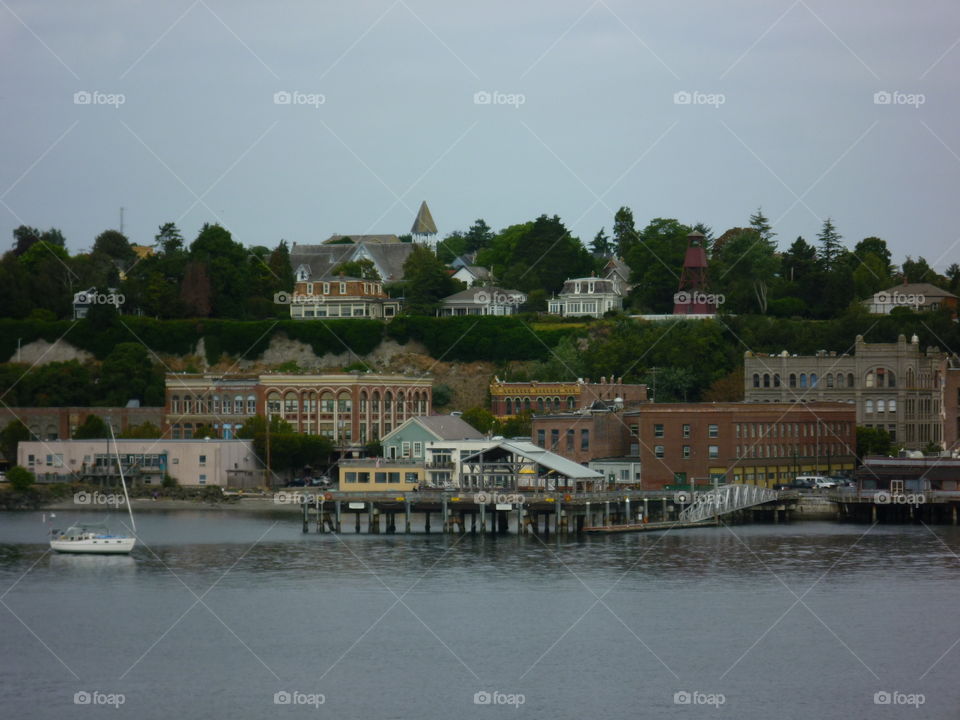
{"x":586,"y":296}
{"x":482,"y":301}
{"x":920,"y":297}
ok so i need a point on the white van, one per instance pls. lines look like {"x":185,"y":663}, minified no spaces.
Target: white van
{"x":819,"y":482}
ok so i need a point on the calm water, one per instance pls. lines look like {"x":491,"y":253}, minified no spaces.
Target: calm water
{"x":415,"y":626}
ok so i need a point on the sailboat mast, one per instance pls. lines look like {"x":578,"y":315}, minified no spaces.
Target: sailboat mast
{"x":126,"y":497}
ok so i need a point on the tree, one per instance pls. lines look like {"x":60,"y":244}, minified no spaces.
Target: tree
{"x":953,"y":276}
{"x":744,"y":267}
{"x":830,"y":246}
{"x":656,"y":260}
{"x":480,"y":418}
{"x":919,"y":271}
{"x":426,"y":281}
{"x":20,"y":478}
{"x":516,"y":426}
{"x":602,"y":244}
{"x":280,"y":268}
{"x":624,"y":233}
{"x":728,"y":388}
{"x":128,"y":372}
{"x":479,"y":236}
{"x":451,"y":247}
{"x":761,"y":224}
{"x":873,"y":441}
{"x":144,"y":431}
{"x":92,"y":428}
{"x":196,"y":293}
{"x":114,"y":245}
{"x":363,"y":268}
{"x":10,"y":438}
{"x":442,"y":394}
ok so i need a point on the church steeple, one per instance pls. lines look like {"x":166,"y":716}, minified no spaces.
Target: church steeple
{"x":423,"y":224}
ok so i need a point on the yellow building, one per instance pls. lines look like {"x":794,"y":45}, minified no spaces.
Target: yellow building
{"x":380,"y":475}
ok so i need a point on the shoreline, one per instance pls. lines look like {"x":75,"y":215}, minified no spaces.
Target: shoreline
{"x":252,"y":504}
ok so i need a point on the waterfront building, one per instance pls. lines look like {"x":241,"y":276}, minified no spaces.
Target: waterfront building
{"x":351,"y":409}
{"x":410,"y":438}
{"x":618,"y":472}
{"x":342,"y":297}
{"x":512,"y":398}
{"x":586,"y":297}
{"x":482,"y":301}
{"x":380,"y":475}
{"x":909,"y":475}
{"x":680,"y":443}
{"x":894,"y":386}
{"x":225,"y":463}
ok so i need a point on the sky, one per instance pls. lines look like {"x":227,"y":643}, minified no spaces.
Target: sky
{"x":298,"y":120}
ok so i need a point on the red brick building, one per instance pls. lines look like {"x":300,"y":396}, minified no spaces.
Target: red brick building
{"x":341,"y":297}
{"x":760,"y":444}
{"x":513,"y":398}
{"x":351,"y":409}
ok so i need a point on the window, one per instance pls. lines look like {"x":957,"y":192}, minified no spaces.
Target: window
{"x":713,"y":431}
{"x":350,"y":477}
{"x":713,"y":451}
{"x":793,"y":380}
{"x":393,"y":477}
{"x":541,"y":441}
{"x":251,"y":405}
{"x":412,"y":477}
{"x":363,"y":477}
{"x":554,"y":438}
{"x":813,"y":380}
{"x":776,"y":380}
{"x":766,"y":380}
{"x":658,"y":430}
{"x":584,"y":439}
{"x":829,"y":380}
{"x":881,"y":406}
{"x":686,"y":431}
{"x":869,"y":407}
{"x":892,"y":406}
{"x":418,"y":449}
{"x":203,"y":479}
{"x":803,"y":380}
{"x":686,"y":451}
{"x":756,"y":380}
{"x":658,"y":451}
{"x":380,"y":477}
{"x":203,"y":460}
{"x":570,"y":436}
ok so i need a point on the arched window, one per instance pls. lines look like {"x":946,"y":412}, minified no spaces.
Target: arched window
{"x":911,"y":378}
{"x":891,"y":379}
{"x":756,"y":380}
{"x":363,"y":401}
{"x":238,"y":405}
{"x":508,"y":406}
{"x":766,"y":380}
{"x":251,"y":405}
{"x":869,"y":407}
{"x":388,"y":401}
{"x":776,"y":380}
{"x":216,"y":404}
{"x":803,"y":380}
{"x":813,"y":380}
{"x":273,"y":403}
{"x":175,"y":404}
{"x":850,"y":382}
{"x":290,"y":403}
{"x":571,"y":403}
{"x":840,"y":382}
{"x":881,"y":406}
{"x":375,"y":401}
{"x":540,"y":404}
{"x":526,"y":404}
{"x":556,"y":404}
{"x":829,"y":380}
{"x":870,"y":379}
{"x":793,"y":380}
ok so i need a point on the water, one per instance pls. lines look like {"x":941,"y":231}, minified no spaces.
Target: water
{"x":216,"y":612}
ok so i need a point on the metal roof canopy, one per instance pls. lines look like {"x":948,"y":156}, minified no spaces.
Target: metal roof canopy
{"x":534,"y":453}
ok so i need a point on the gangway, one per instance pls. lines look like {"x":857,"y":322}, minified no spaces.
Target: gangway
{"x":724,"y":499}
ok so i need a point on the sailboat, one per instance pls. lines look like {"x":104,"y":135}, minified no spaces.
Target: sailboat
{"x":96,"y":538}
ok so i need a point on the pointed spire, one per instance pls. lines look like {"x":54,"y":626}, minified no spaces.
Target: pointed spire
{"x":423,"y":224}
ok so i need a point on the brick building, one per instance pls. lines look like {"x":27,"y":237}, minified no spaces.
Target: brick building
{"x":950,"y":402}
{"x":59,"y":423}
{"x":341,"y":297}
{"x":894,"y":386}
{"x":512,"y":398}
{"x":677,"y":443}
{"x":351,"y":409}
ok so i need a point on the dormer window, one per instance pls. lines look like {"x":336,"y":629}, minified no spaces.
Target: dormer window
{"x":577,"y":288}
{"x":591,"y":287}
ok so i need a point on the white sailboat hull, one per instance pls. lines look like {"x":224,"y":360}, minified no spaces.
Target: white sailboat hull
{"x":95,"y":546}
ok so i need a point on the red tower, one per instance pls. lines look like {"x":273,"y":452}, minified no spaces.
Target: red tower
{"x":692,"y":297}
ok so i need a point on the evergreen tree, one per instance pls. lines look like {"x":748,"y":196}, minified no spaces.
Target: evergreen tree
{"x":761,"y":224}
{"x":624,"y":232}
{"x":830,"y":247}
{"x":601,"y":244}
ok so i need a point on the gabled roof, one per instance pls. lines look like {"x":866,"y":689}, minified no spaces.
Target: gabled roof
{"x":321,"y":259}
{"x":478,"y":271}
{"x":423,"y":224}
{"x":443,"y":427}
{"x":925,"y":289}
{"x":617,"y":265}
{"x":549,"y":460}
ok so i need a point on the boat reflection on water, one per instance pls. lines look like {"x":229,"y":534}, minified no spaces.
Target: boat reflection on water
{"x":87,"y":563}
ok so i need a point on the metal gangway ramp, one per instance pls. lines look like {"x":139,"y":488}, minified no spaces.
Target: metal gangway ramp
{"x":724,"y":499}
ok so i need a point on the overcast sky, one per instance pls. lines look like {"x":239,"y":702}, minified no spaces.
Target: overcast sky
{"x":583,"y":116}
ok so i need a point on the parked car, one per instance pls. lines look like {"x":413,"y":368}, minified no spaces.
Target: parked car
{"x":820,"y":482}
{"x":322,"y":482}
